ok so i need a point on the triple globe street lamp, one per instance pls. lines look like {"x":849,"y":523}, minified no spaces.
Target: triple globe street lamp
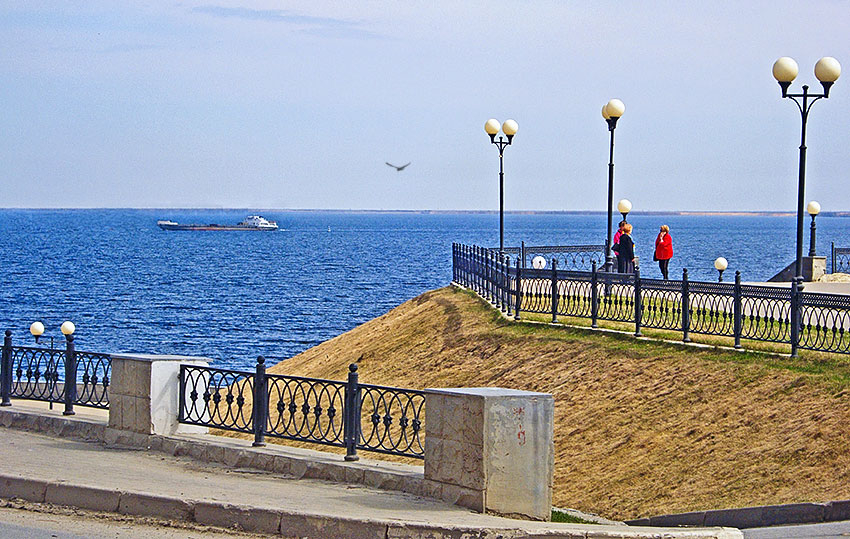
{"x":612,"y":111}
{"x":509,"y":128}
{"x":827,"y":71}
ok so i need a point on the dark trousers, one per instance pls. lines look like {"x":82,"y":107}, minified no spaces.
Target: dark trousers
{"x":662,"y":264}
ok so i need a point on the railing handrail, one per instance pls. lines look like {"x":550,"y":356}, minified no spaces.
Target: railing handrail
{"x":811,"y":320}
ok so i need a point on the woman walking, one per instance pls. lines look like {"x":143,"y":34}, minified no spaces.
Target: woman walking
{"x":663,"y":249}
{"x":625,"y":251}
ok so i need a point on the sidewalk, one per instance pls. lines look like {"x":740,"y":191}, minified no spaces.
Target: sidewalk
{"x":134,"y":481}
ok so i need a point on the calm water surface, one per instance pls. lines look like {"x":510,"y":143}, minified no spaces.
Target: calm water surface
{"x":231,"y":296}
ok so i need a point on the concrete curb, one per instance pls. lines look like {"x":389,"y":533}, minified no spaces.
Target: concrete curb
{"x":274,"y":522}
{"x":755,"y":517}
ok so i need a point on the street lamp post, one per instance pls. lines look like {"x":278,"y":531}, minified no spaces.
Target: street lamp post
{"x":612,"y":111}
{"x":720,"y":264}
{"x":827,"y":71}
{"x":814,"y":209}
{"x":509,"y":128}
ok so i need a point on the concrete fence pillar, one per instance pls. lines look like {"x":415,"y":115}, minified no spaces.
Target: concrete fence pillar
{"x":491,"y":449}
{"x":144,"y":394}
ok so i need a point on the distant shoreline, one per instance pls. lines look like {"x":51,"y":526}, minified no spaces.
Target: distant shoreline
{"x":697,"y":213}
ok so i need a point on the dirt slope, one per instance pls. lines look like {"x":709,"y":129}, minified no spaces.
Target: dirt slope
{"x":640,"y":428}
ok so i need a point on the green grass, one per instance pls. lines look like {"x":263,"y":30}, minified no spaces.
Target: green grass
{"x":560,"y":516}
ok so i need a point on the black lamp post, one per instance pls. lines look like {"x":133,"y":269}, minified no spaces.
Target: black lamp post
{"x":814,"y":209}
{"x":509,"y":128}
{"x":612,"y":111}
{"x":785,"y":70}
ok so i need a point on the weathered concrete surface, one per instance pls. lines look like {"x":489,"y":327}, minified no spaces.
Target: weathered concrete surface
{"x":152,"y":483}
{"x":144,"y":395}
{"x":492,"y":449}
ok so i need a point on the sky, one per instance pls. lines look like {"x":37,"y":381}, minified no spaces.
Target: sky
{"x":277,"y":104}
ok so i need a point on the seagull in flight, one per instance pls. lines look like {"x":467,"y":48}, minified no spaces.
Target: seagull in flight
{"x":398,"y":169}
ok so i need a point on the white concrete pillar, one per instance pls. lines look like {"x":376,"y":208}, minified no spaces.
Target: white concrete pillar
{"x":144,"y":393}
{"x":491,"y":449}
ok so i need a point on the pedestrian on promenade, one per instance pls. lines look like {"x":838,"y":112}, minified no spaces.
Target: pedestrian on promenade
{"x":663,"y":249}
{"x":616,"y":241}
{"x":625,"y":250}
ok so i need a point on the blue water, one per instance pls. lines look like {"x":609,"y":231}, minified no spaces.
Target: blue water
{"x":231,"y":296}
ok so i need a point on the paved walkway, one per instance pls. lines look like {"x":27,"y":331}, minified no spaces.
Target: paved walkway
{"x":93,"y":476}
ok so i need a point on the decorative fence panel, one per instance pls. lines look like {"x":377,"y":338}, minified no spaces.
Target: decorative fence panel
{"x":734,"y":310}
{"x":840,"y":259}
{"x":342,"y":414}
{"x":37,"y":373}
{"x":568,"y":257}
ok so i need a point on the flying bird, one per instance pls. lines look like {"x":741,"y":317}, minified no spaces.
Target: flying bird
{"x":398,"y":169}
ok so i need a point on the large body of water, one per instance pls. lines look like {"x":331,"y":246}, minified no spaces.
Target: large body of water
{"x":231,"y":296}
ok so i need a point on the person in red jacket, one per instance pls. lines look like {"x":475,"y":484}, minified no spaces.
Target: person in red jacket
{"x":663,"y":249}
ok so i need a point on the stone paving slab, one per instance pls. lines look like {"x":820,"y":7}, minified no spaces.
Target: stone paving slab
{"x":94,"y":475}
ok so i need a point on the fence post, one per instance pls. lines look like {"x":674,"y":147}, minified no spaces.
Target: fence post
{"x":351,"y":417}
{"x":503,"y":283}
{"x":686,"y":307}
{"x":594,"y":295}
{"x":454,"y":262}
{"x":738,"y":310}
{"x":522,"y":252}
{"x":70,"y":375}
{"x":795,"y":316}
{"x":518,"y":288}
{"x":638,"y":304}
{"x":554,"y":290}
{"x":832,"y":256}
{"x":6,"y":370}
{"x":507,"y":268}
{"x":261,"y":404}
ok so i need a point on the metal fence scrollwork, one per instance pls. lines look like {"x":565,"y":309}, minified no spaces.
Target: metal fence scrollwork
{"x":342,"y":414}
{"x":54,"y":375}
{"x":784,"y":314}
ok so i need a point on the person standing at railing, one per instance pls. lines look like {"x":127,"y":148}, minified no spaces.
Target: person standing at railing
{"x":625,"y":250}
{"x":663,"y":250}
{"x":616,"y":241}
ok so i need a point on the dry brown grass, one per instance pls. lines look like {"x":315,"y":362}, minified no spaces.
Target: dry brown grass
{"x":641,"y":428}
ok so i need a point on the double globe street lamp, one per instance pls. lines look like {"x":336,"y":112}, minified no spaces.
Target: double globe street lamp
{"x":827,"y":71}
{"x":509,"y":128}
{"x":612,"y":111}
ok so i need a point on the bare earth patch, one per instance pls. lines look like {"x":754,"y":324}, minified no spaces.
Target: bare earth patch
{"x":641,"y":428}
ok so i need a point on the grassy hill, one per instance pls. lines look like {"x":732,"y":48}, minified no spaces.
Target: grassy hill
{"x":641,"y":427}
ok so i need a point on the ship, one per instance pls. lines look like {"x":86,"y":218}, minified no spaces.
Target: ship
{"x":252,"y":222}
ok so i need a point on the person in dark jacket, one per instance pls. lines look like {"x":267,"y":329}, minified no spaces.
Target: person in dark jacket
{"x":663,"y":249}
{"x":625,"y":251}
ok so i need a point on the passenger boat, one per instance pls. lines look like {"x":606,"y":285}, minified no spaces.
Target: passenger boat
{"x":252,"y":222}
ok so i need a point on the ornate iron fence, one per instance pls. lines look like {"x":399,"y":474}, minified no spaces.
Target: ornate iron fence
{"x":840,"y":259}
{"x":814,"y":321}
{"x":53,"y":375}
{"x":568,"y":257}
{"x":342,"y":414}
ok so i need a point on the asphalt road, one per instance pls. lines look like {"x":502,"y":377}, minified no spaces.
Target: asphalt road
{"x":821,"y":531}
{"x":61,"y":523}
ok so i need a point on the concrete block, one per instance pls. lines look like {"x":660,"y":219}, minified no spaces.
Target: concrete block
{"x":25,"y":489}
{"x":695,"y":518}
{"x":95,"y":499}
{"x":295,"y":525}
{"x":792,"y":513}
{"x":746,"y":517}
{"x":282,"y":465}
{"x":464,"y":497}
{"x":154,"y":506}
{"x":837,"y":510}
{"x":250,"y":519}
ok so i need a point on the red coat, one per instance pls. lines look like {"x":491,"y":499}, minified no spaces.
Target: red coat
{"x":664,"y":247}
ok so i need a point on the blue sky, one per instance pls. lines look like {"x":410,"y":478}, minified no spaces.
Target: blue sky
{"x":299,"y":104}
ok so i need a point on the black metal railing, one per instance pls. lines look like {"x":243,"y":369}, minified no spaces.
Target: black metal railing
{"x":840,"y":259}
{"x":568,"y":257}
{"x":54,"y":375}
{"x":735,"y":310}
{"x":342,"y":414}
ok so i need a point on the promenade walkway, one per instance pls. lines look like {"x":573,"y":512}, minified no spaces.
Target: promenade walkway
{"x":135,"y":481}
